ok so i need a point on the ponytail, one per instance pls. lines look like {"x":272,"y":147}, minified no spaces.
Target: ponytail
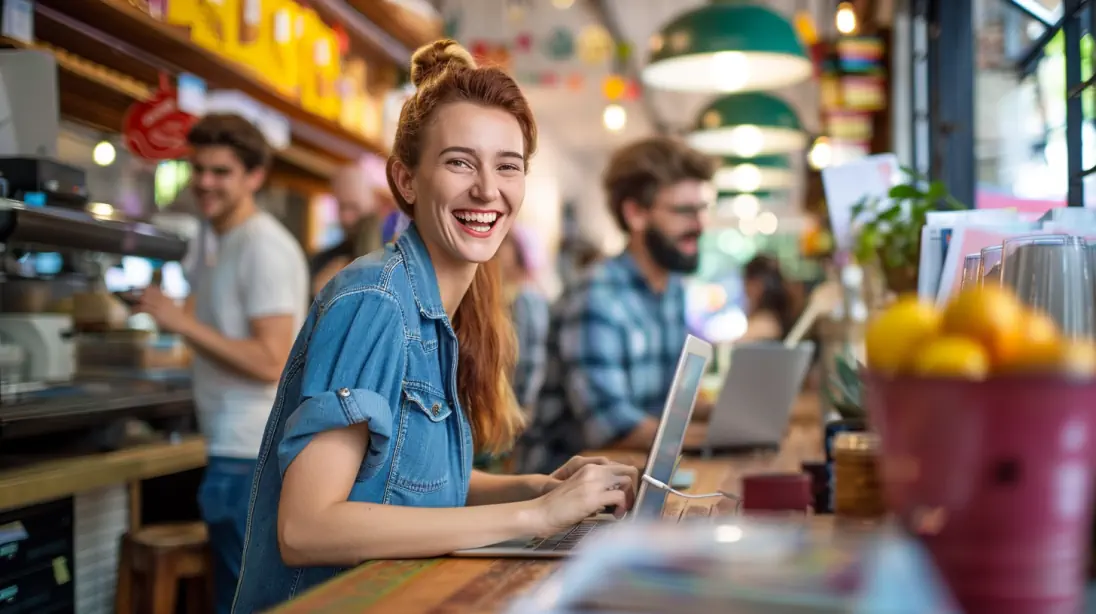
{"x":488,"y":350}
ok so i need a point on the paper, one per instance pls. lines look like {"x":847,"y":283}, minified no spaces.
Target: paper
{"x":848,"y":184}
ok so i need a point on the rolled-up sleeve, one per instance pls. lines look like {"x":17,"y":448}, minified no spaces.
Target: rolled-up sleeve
{"x":353,"y":373}
{"x":591,"y":346}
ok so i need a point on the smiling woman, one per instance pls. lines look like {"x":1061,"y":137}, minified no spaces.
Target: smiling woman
{"x":400,"y":373}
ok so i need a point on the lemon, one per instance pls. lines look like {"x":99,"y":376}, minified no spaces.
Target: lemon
{"x":989,"y":315}
{"x":893,"y":337}
{"x":1036,"y":346}
{"x":952,"y":356}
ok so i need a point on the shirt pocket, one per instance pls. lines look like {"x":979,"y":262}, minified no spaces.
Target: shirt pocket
{"x":424,"y":456}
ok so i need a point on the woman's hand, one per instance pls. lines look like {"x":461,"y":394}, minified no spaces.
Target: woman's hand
{"x":591,"y":489}
{"x":569,"y":469}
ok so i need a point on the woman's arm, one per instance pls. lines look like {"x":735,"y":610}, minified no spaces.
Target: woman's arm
{"x":488,"y":488}
{"x":318,"y":526}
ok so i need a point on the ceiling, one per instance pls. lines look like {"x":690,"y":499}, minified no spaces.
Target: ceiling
{"x":572,"y":117}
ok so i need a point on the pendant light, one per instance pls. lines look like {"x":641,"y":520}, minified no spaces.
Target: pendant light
{"x":726,"y":46}
{"x":753,"y":174}
{"x":747,"y":126}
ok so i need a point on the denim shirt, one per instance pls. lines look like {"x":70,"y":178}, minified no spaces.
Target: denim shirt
{"x":376,"y":347}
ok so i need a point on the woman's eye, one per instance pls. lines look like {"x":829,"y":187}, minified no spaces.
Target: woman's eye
{"x":459,"y":163}
{"x":510,"y":168}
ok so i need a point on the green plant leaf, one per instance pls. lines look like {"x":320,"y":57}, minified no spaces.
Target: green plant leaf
{"x":904,"y":191}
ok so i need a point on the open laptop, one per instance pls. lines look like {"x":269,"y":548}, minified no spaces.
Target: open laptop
{"x":756,"y":401}
{"x":661,"y":462}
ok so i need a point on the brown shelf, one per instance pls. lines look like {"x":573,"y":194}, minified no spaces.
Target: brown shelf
{"x":402,"y":24}
{"x":98,"y":97}
{"x":132,"y":43}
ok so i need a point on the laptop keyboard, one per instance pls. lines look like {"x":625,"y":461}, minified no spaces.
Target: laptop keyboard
{"x":569,"y":538}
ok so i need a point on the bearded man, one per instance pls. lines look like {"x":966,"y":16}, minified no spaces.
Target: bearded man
{"x":617,"y":333}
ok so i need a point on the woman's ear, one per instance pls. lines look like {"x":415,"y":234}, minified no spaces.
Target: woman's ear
{"x":401,"y":176}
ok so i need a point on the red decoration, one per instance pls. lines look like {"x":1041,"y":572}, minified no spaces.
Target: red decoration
{"x":549,"y":79}
{"x":156,"y":129}
{"x":480,"y":50}
{"x":524,"y":42}
{"x":342,"y":39}
{"x":631,"y":91}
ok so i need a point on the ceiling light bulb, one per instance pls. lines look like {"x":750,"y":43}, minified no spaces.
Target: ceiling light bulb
{"x":766,"y":223}
{"x":745,"y":206}
{"x":747,"y":226}
{"x":821,"y":153}
{"x":746,"y":178}
{"x":614,"y":117}
{"x":845,"y":19}
{"x":103,"y":154}
{"x":747,"y":141}
{"x":729,"y":70}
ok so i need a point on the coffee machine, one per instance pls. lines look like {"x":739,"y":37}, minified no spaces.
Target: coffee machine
{"x":48,"y":350}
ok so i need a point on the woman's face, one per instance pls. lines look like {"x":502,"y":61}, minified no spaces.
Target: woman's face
{"x":470,"y":181}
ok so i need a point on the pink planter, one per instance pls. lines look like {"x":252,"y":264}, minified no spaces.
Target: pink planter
{"x":997,"y":479}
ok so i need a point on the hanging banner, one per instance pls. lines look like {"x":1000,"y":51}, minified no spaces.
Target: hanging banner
{"x":156,"y":129}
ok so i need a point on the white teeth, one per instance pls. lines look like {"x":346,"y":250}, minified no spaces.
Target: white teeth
{"x":482,"y":218}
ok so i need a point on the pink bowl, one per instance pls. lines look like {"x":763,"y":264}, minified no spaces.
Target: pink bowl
{"x":996,"y":478}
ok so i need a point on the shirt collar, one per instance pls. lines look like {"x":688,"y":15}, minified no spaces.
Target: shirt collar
{"x":424,"y":281}
{"x":629,"y":265}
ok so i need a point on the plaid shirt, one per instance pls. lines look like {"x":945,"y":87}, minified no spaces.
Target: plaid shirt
{"x":531,"y":321}
{"x":612,"y":353}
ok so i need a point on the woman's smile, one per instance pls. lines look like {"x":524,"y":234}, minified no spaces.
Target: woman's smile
{"x":477,"y":222}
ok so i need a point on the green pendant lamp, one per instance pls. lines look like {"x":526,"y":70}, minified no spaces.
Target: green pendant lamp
{"x":747,"y":126}
{"x":726,"y":46}
{"x":754,"y":174}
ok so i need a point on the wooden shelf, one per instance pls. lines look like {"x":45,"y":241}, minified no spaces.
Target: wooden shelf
{"x":406,"y":26}
{"x":132,"y":43}
{"x":98,"y":97}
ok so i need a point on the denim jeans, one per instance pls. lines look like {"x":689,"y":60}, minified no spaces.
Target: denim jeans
{"x":223,"y":498}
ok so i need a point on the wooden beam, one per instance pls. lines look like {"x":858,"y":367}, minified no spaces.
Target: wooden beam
{"x":406,"y":26}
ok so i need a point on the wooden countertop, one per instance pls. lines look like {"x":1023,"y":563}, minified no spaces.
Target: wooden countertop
{"x":483,"y":586}
{"x":56,"y":478}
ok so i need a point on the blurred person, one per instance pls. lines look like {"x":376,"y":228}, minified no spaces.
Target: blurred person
{"x":247,"y":306}
{"x":770,"y":305}
{"x":360,"y":218}
{"x":618,"y":331}
{"x":529,"y":313}
{"x":401,"y":371}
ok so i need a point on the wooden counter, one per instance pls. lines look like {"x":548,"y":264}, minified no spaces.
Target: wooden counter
{"x":483,"y":586}
{"x":64,"y":477}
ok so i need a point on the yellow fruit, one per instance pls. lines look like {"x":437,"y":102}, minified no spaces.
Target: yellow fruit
{"x":1036,"y":345}
{"x":990,"y":315}
{"x":893,"y":337}
{"x":952,"y":356}
{"x":1078,"y":359}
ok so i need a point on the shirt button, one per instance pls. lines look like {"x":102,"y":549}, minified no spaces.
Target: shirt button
{"x":436,"y":409}
{"x":343,"y":392}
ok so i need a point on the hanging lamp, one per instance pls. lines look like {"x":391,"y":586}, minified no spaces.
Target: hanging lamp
{"x":747,"y":126}
{"x":754,"y":174}
{"x":726,"y":46}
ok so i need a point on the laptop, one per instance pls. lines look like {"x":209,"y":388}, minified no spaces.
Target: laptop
{"x":756,"y":401}
{"x":661,"y":462}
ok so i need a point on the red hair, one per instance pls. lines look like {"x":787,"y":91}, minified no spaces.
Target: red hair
{"x":443,"y":72}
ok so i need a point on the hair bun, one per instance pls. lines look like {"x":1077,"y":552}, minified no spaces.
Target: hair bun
{"x":431,"y":60}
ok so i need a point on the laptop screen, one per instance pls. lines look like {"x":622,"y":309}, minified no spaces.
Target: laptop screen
{"x":678,"y":411}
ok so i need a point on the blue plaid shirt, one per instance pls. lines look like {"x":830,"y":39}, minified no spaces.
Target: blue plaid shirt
{"x":531,"y":321}
{"x":612,"y":352}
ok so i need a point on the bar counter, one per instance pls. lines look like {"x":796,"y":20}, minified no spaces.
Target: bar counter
{"x":63,"y":477}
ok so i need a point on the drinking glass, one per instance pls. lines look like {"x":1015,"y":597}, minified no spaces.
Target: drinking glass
{"x":989,"y":271}
{"x":971,"y":264}
{"x":1052,"y":273}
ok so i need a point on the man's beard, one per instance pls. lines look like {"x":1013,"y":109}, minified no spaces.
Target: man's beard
{"x":666,"y":254}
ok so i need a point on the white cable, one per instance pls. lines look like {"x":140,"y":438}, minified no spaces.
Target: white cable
{"x":666,"y":487}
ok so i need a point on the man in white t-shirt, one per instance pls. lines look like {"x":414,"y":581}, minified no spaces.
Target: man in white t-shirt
{"x":245,"y":308}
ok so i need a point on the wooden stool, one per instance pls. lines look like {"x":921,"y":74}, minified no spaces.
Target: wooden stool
{"x":155,"y":559}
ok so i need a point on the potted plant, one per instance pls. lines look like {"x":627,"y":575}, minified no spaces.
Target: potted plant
{"x":888,"y":231}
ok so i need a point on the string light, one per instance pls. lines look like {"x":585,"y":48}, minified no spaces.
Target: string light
{"x":614,"y":117}
{"x":821,"y":154}
{"x":845,"y":19}
{"x":103,"y":154}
